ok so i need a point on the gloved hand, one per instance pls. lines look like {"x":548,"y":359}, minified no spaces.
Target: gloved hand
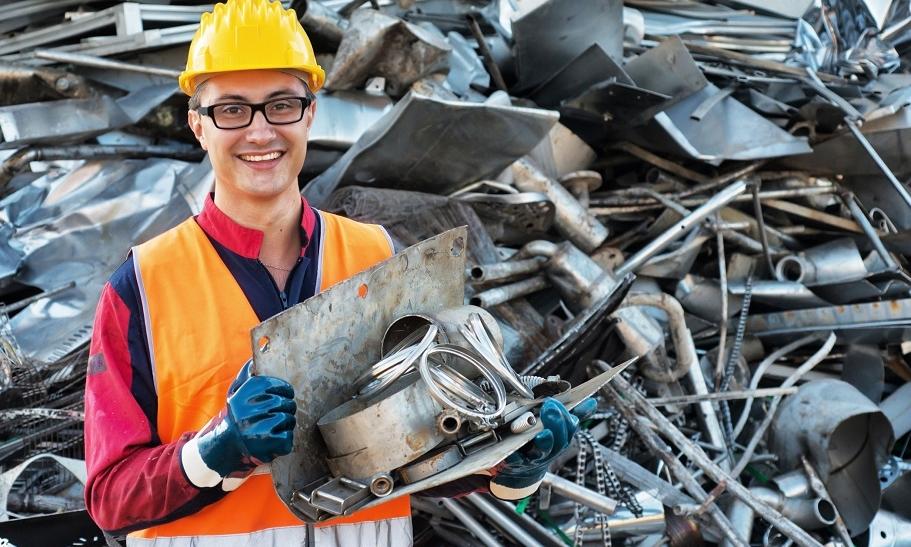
{"x":522,"y":471}
{"x":255,"y":426}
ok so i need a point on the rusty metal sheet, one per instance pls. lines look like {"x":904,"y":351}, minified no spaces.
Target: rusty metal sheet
{"x":323,"y":344}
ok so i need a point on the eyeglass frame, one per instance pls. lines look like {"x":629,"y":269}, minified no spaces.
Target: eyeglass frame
{"x":306,"y":101}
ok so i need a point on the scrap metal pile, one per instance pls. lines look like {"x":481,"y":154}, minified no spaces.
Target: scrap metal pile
{"x":716,"y":188}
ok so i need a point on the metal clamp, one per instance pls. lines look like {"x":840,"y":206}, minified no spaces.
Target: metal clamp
{"x":339,"y":495}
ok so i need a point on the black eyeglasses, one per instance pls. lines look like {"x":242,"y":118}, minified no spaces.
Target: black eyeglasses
{"x":237,"y":115}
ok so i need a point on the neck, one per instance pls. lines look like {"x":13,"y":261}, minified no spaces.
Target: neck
{"x":277,"y":217}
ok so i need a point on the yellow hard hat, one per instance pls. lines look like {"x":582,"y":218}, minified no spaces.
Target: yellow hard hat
{"x":250,"y":35}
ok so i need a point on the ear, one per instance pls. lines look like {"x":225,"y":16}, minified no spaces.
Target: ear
{"x":311,"y":113}
{"x":195,"y":122}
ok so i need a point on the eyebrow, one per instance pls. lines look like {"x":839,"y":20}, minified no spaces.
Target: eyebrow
{"x":276,"y":93}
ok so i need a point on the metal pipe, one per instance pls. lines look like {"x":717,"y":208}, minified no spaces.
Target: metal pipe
{"x":505,"y":293}
{"x":475,"y":527}
{"x":809,"y":514}
{"x":680,"y":334}
{"x":100,"y":62}
{"x":763,"y":237}
{"x":531,"y":523}
{"x":580,"y":494}
{"x":618,"y":199}
{"x":572,"y":220}
{"x":864,"y":222}
{"x":498,"y":271}
{"x":722,"y":396}
{"x":507,"y":525}
{"x":680,"y":228}
{"x":577,"y":277}
{"x":899,"y":187}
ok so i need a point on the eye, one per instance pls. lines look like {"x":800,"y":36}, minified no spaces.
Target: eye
{"x":232,"y":110}
{"x":282,"y":105}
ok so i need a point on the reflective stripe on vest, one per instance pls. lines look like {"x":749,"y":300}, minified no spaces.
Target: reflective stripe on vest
{"x":198,"y":323}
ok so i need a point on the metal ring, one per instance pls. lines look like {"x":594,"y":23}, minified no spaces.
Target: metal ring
{"x":424,"y":367}
{"x":397,"y":364}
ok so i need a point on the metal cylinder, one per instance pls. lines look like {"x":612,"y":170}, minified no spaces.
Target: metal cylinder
{"x":381,"y":485}
{"x":580,"y":494}
{"x":448,"y":321}
{"x":523,"y":423}
{"x":844,"y":435}
{"x":809,"y":514}
{"x":507,"y":525}
{"x":680,"y":228}
{"x":680,"y":334}
{"x":505,"y":293}
{"x":357,"y":433}
{"x":476,"y":528}
{"x":580,"y":280}
{"x":449,"y":422}
{"x":572,"y":220}
{"x":499,"y":271}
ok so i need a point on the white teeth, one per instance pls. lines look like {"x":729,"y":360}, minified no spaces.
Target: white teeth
{"x":266,"y":157}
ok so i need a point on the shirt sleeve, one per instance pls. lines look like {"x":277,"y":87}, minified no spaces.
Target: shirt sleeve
{"x":134,"y":481}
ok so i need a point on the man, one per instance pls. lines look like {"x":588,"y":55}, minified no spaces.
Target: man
{"x":177,"y":431}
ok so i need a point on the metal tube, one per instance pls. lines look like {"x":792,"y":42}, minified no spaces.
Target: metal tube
{"x":475,"y":527}
{"x":763,"y":237}
{"x":572,"y":220}
{"x":485,"y":273}
{"x":868,"y":229}
{"x":722,"y":396}
{"x":809,"y":514}
{"x":680,"y":334}
{"x":619,"y":201}
{"x":507,"y":525}
{"x":580,"y":494}
{"x":680,"y":229}
{"x":101,"y":62}
{"x":899,"y":187}
{"x":505,"y":293}
{"x":531,"y":523}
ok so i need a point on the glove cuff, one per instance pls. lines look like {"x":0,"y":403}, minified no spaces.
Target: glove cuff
{"x":512,"y":493}
{"x":195,"y":468}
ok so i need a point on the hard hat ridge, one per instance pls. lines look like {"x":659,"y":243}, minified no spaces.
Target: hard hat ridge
{"x":250,"y":35}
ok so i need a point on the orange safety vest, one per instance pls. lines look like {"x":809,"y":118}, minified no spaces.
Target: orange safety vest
{"x":198,"y":324}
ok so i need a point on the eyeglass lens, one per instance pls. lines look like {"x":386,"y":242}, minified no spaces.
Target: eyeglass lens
{"x":279,"y":111}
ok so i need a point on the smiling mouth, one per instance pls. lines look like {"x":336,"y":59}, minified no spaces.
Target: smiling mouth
{"x":264,"y":157}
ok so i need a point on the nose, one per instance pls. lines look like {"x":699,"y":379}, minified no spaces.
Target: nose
{"x":260,"y":131}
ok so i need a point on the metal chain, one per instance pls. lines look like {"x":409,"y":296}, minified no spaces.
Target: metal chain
{"x":615,"y":488}
{"x":588,"y":443}
{"x":581,"y":458}
{"x":725,"y":408}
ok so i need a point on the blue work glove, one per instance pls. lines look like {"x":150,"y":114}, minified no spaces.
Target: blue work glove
{"x":255,"y":427}
{"x":522,"y":472}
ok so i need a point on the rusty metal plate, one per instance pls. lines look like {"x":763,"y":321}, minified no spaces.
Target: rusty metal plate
{"x":323,"y":344}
